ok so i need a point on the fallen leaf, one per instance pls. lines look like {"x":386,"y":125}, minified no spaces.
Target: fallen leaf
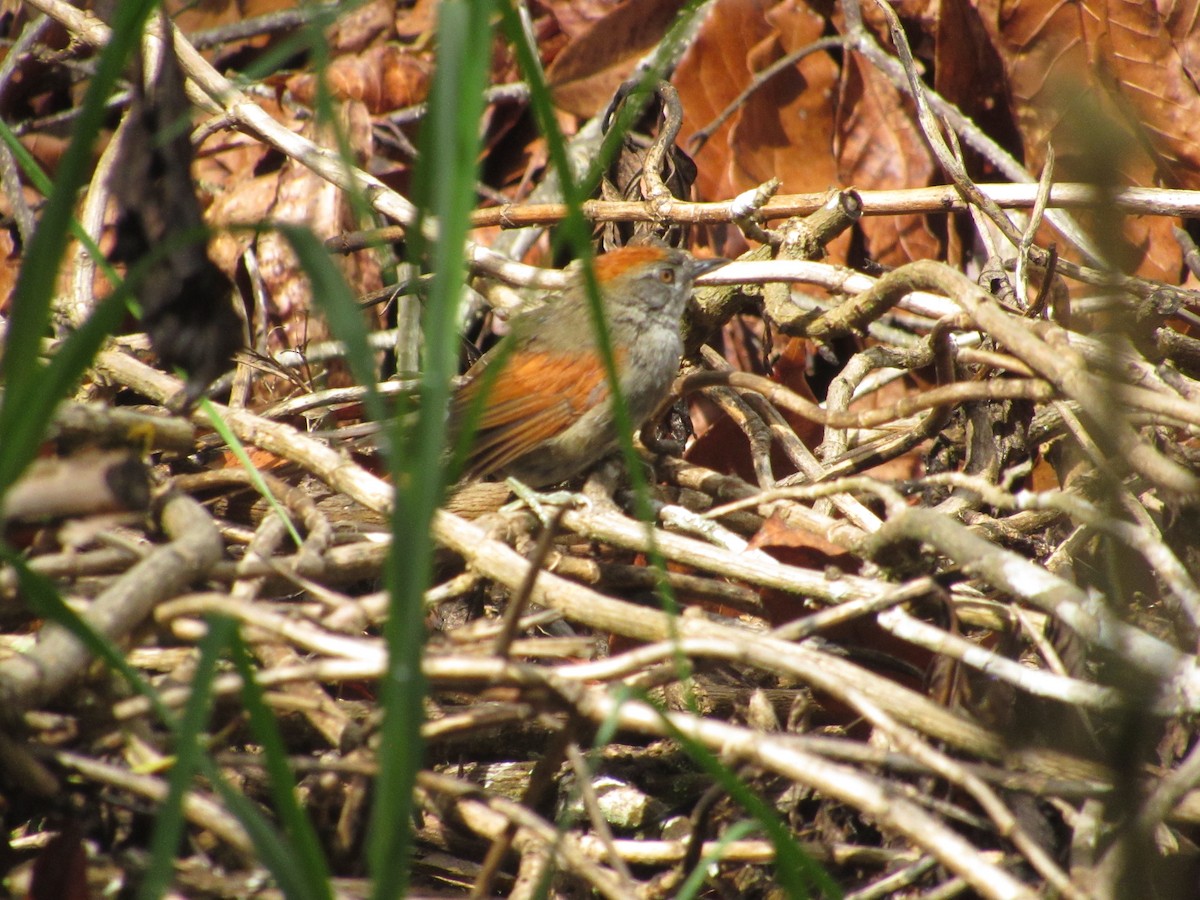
{"x":588,"y":71}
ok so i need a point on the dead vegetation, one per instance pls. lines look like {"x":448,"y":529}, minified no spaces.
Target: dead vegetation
{"x":932,"y":547}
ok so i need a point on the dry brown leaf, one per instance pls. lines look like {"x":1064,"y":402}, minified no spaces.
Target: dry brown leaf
{"x":294,"y":194}
{"x":806,"y":548}
{"x":967,"y":71}
{"x":304,"y":197}
{"x":1060,"y":61}
{"x":60,"y":868}
{"x":723,"y":446}
{"x":786,"y":132}
{"x":1037,"y":42}
{"x":1182,"y":18}
{"x":229,"y":166}
{"x":784,"y":129}
{"x":1130,"y":41}
{"x":189,"y":17}
{"x":588,"y":71}
{"x":791,"y":370}
{"x":709,"y":77}
{"x":416,"y":22}
{"x":227,"y":158}
{"x":10,"y":267}
{"x":47,"y":149}
{"x":383,"y":78}
{"x":881,"y":147}
{"x":574,"y":17}
{"x":362,"y":26}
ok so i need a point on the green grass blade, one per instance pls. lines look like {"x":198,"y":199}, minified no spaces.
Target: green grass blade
{"x":575,"y":231}
{"x":42,"y":183}
{"x":274,"y":852}
{"x":29,"y":315}
{"x":170,"y":821}
{"x":221,"y":427}
{"x":294,"y":875}
{"x":446,"y":179}
{"x":43,"y":599}
{"x":695,"y":881}
{"x":36,"y":399}
{"x":304,"y":860}
{"x":295,"y":860}
{"x":798,"y":874}
{"x":337,"y":302}
{"x":29,"y":405}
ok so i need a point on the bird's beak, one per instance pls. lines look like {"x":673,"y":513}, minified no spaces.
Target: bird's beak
{"x":701,"y":266}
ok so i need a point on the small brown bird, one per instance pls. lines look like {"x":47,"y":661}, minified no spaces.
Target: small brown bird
{"x":547,"y":415}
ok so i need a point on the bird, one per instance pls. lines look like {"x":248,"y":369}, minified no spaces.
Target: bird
{"x":545,"y":416}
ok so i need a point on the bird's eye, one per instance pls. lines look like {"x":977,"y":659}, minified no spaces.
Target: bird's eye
{"x":666,"y":276}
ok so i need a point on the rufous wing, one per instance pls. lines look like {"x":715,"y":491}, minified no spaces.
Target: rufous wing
{"x":536,"y":397}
